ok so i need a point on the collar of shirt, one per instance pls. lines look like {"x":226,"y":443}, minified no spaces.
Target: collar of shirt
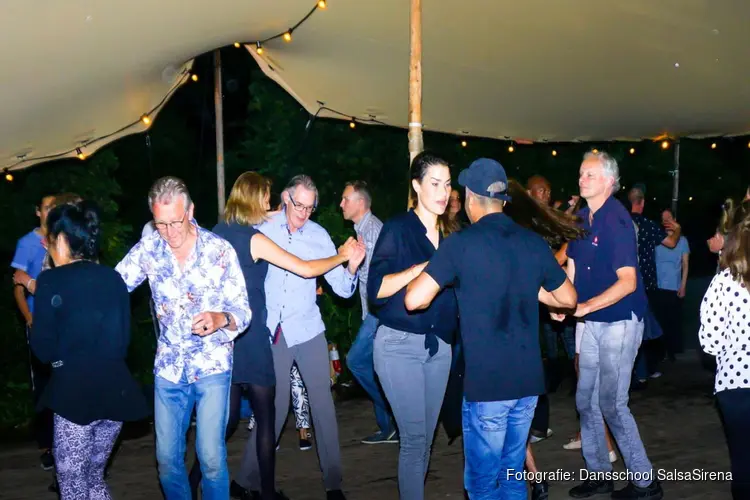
{"x":415,"y":224}
{"x":362,"y":222}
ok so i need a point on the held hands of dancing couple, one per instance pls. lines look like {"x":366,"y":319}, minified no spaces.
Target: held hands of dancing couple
{"x":354,"y":252}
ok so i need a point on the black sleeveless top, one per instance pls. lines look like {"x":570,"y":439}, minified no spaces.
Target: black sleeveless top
{"x":253,"y":361}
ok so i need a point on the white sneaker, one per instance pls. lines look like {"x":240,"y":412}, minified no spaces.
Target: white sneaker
{"x":655,"y":375}
{"x":535,"y":439}
{"x":573,"y":444}
{"x":251,"y":423}
{"x":612,"y":456}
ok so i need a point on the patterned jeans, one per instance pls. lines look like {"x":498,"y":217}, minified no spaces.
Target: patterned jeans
{"x":300,"y":402}
{"x":81,"y":453}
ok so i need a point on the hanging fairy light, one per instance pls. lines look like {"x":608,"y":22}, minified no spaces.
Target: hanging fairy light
{"x":632,"y":151}
{"x":288,"y":35}
{"x":464,"y":144}
{"x":258,"y":48}
{"x":595,"y":151}
{"x":554,"y":153}
{"x":146,"y":119}
{"x":237,"y":45}
{"x":194,"y":77}
{"x":8,"y":175}
{"x":665,"y":144}
{"x":80,"y":154}
{"x":322,"y":4}
{"x":713,"y":145}
{"x":511,"y":148}
{"x":352,"y":123}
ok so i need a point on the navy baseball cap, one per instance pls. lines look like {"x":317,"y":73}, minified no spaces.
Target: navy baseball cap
{"x":486,"y":177}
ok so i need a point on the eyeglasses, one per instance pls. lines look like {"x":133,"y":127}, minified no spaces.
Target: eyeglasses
{"x":300,"y":207}
{"x":162,"y":226}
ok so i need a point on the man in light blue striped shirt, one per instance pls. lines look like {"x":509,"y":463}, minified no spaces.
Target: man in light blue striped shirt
{"x":355,"y":205}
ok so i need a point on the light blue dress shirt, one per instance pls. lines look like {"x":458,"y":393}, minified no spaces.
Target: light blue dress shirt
{"x":290,"y":299}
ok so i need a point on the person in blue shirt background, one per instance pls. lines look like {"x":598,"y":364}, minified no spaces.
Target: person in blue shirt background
{"x":29,"y":258}
{"x":412,"y":352}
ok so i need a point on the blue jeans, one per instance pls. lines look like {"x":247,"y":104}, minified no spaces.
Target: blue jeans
{"x":605,"y":365}
{"x":360,"y":363}
{"x":495,"y":435}
{"x":173,"y":407}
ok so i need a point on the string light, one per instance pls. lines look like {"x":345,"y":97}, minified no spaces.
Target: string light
{"x":194,"y":77}
{"x":258,"y":48}
{"x":80,"y":154}
{"x":8,"y":175}
{"x":595,"y":151}
{"x":145,"y":119}
{"x":322,"y":4}
{"x":288,"y":36}
{"x":237,"y":45}
{"x":665,"y":145}
{"x":464,"y":144}
{"x":632,"y":151}
{"x":713,"y":145}
{"x":690,"y":199}
{"x":748,"y":144}
{"x":352,"y":123}
{"x":511,"y":148}
{"x":554,"y":153}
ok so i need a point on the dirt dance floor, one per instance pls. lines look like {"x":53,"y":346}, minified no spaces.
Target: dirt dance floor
{"x":676,"y":416}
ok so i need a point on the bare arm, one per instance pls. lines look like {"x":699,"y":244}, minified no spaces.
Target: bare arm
{"x":20,"y":296}
{"x":685,"y":267}
{"x":571,"y":270}
{"x":564,"y":297}
{"x":261,"y":247}
{"x":392,"y":283}
{"x":671,"y":240}
{"x":626,"y":284}
{"x":420,"y":292}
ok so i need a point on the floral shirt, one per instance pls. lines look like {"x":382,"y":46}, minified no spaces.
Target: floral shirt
{"x":210,"y":281}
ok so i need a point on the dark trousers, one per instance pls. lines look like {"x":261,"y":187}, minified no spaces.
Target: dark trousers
{"x":667,"y":307}
{"x":43,"y":422}
{"x":540,"y":422}
{"x":735,"y":410}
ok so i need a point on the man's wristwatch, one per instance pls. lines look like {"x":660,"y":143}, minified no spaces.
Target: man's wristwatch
{"x":229,"y":319}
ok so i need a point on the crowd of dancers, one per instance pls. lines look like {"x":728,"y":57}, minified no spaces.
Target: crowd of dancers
{"x":236,"y":309}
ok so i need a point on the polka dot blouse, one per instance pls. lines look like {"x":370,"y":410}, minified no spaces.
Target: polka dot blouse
{"x":725,"y":331}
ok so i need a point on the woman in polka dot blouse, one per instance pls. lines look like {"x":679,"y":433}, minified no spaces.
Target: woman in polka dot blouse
{"x":725,"y":333}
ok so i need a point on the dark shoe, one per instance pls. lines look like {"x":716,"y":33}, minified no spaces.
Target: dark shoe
{"x":305,"y":444}
{"x":540,"y":491}
{"x":237,"y":491}
{"x":335,"y":495}
{"x":653,"y":492}
{"x":47,"y":461}
{"x":590,"y":488}
{"x":381,"y":437}
{"x":53,"y":488}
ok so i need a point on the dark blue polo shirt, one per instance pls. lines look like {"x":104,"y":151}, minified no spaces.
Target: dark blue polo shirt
{"x":650,"y":236}
{"x":609,"y":245}
{"x":403,"y":243}
{"x":497,"y":268}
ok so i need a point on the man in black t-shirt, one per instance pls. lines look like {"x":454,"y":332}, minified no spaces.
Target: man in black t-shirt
{"x":500,"y":271}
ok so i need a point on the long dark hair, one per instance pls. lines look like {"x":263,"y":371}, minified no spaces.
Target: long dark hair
{"x":79,"y":222}
{"x":422,"y":162}
{"x":735,"y":255}
{"x":555,"y":226}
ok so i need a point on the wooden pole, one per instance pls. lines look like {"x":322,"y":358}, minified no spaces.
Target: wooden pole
{"x":416,"y":143}
{"x":676,"y":181}
{"x":219,"y":113}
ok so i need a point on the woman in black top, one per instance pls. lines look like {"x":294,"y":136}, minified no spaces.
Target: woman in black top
{"x":82,"y":328}
{"x":412,"y":351}
{"x":253,"y":370}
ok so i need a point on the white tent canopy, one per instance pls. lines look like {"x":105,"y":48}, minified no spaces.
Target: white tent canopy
{"x":78,"y":71}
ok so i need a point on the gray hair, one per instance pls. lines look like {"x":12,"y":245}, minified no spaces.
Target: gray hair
{"x":166,"y":189}
{"x":360,"y":187}
{"x":609,"y":166}
{"x":485,"y":201}
{"x":302,"y":180}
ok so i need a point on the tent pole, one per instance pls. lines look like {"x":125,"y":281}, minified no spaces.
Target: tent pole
{"x":219,"y":113}
{"x":676,"y":181}
{"x":416,"y":143}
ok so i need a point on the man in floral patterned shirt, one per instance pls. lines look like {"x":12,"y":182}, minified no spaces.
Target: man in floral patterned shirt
{"x":201,"y":304}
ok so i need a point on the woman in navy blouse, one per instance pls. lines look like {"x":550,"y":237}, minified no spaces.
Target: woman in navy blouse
{"x":82,"y":328}
{"x":412,"y":351}
{"x":253,"y":369}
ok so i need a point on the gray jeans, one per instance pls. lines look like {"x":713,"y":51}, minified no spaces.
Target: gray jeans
{"x":414,"y":384}
{"x":605,"y":364}
{"x":312,"y":361}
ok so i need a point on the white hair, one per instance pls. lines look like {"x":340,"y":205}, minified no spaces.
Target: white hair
{"x":302,"y":180}
{"x":609,"y":166}
{"x":166,"y":189}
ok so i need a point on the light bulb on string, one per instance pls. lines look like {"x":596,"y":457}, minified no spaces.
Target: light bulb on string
{"x":595,"y":151}
{"x":690,"y":199}
{"x":511,"y":148}
{"x":322,"y":4}
{"x":80,"y":154}
{"x":554,"y":153}
{"x":8,"y":175}
{"x":713,"y":145}
{"x":145,"y":119}
{"x":194,"y":77}
{"x":237,"y":45}
{"x":665,"y":144}
{"x":464,"y":144}
{"x":258,"y":48}
{"x":288,"y":36}
{"x":632,"y":151}
{"x":353,"y":123}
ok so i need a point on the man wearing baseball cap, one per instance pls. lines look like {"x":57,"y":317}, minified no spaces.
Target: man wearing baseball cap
{"x":500,"y":272}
